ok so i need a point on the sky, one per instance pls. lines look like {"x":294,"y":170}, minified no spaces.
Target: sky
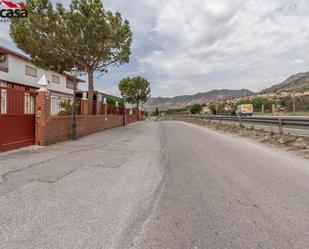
{"x":190,"y":46}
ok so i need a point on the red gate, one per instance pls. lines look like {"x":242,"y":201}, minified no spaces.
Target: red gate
{"x":17,"y":119}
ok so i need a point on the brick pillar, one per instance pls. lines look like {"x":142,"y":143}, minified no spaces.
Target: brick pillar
{"x":123,"y":111}
{"x":84,"y":107}
{"x":98,"y":107}
{"x":42,"y":108}
{"x":104,"y":109}
{"x":141,"y":115}
{"x":117,"y":108}
{"x":104,"y":106}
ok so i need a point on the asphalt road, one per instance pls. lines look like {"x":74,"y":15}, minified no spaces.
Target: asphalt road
{"x":154,"y":185}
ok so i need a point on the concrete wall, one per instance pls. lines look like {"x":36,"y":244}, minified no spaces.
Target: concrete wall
{"x":16,"y":74}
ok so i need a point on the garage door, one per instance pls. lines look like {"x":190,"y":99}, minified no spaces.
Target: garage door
{"x":17,"y":119}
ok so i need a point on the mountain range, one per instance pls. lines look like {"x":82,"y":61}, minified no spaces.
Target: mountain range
{"x":299,"y":81}
{"x":199,"y":98}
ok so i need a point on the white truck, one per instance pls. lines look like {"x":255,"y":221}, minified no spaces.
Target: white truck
{"x":244,"y":110}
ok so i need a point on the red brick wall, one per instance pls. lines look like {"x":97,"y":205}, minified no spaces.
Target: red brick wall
{"x":54,"y":129}
{"x":58,"y":128}
{"x":42,"y":110}
{"x":131,"y":118}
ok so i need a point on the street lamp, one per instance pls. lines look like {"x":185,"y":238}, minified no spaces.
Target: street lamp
{"x":74,"y":73}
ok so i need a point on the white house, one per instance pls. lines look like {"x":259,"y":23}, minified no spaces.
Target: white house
{"x":17,"y":72}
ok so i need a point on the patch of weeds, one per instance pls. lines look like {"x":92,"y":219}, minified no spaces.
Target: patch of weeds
{"x":287,"y":139}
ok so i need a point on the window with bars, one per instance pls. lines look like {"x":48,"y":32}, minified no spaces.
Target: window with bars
{"x":54,"y":105}
{"x":29,"y":104}
{"x":3,"y":107}
{"x":31,"y":71}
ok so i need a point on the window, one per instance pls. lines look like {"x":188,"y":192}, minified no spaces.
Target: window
{"x":2,"y":58}
{"x":55,"y":79}
{"x":54,"y":104}
{"x":4,"y":67}
{"x":70,"y":84}
{"x":31,"y":71}
{"x":3,"y":107}
{"x":29,"y":104}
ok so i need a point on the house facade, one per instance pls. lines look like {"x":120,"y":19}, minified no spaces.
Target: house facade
{"x":18,"y":88}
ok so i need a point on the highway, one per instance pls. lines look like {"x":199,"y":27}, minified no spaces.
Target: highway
{"x":222,"y":191}
{"x":154,"y":185}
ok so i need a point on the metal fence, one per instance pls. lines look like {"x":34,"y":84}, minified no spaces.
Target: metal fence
{"x":281,"y":122}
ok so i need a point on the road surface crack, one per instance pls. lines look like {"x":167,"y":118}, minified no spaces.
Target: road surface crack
{"x":88,"y":148}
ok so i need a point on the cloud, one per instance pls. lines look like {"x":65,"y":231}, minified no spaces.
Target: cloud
{"x":4,"y":31}
{"x":203,"y":39}
{"x":187,"y":46}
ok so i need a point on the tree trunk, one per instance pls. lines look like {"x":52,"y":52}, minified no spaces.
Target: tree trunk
{"x":137,"y":104}
{"x":90,"y":91}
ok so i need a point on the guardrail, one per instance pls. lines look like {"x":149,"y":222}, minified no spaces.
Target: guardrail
{"x":290,"y":122}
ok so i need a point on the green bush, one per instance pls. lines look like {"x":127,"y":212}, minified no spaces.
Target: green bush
{"x":195,"y":109}
{"x":177,"y":111}
{"x":213,"y":109}
{"x":301,"y":104}
{"x":112,"y":100}
{"x":66,"y":108}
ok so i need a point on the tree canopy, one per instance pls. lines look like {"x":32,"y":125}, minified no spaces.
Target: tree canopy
{"x":135,"y":90}
{"x":196,"y":108}
{"x":84,"y":35}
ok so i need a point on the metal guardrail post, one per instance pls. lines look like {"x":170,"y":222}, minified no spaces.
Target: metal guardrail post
{"x":280,"y":126}
{"x":239,"y":119}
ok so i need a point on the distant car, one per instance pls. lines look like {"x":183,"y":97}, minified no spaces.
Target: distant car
{"x":244,"y":110}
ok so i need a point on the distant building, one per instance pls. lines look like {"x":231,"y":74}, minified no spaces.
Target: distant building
{"x":207,"y":110}
{"x":284,"y":94}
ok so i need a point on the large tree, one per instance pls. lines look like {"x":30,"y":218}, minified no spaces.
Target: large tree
{"x":84,"y":35}
{"x":196,"y":109}
{"x":135,"y":90}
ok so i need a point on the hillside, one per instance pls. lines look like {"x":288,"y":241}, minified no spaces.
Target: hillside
{"x":200,"y":98}
{"x":301,"y":81}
